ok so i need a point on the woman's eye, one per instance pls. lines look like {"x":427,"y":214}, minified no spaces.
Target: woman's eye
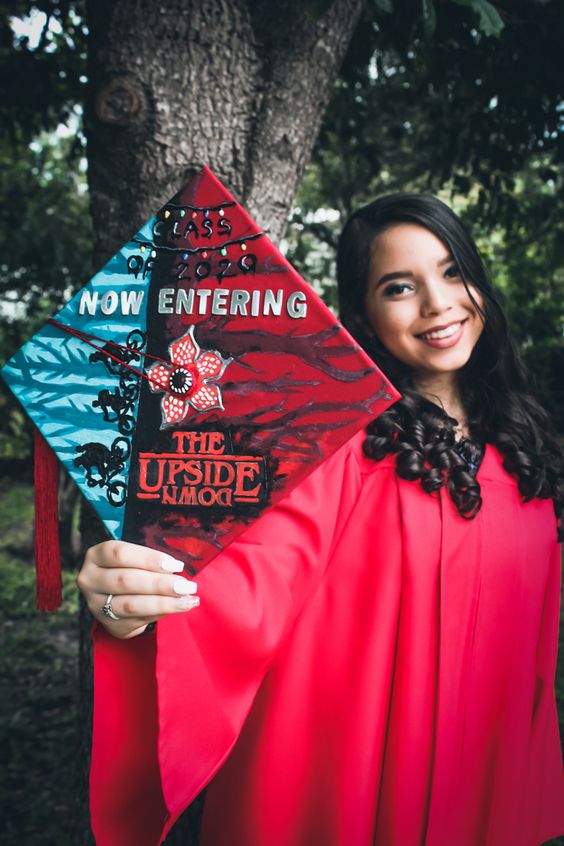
{"x":397,"y":289}
{"x":452,"y":272}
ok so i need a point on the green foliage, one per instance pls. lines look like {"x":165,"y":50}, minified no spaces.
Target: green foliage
{"x":429,"y":18}
{"x":46,"y":248}
{"x":526,"y":256}
{"x":46,"y":236}
{"x":458,"y":106}
{"x":17,"y":599}
{"x":39,"y":731}
{"x":16,"y":519}
{"x":38,"y":724}
{"x":490,"y":19}
{"x":43,"y":82}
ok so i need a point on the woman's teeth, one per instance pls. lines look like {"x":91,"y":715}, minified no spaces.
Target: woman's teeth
{"x":441,"y":333}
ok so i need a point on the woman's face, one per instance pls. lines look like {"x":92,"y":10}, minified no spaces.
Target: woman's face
{"x":417,"y":304}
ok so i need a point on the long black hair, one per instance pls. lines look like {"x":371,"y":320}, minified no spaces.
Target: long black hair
{"x":494,"y":384}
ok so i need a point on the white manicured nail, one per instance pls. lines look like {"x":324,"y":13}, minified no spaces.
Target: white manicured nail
{"x":188,"y":601}
{"x":172,"y":565}
{"x":183,"y":586}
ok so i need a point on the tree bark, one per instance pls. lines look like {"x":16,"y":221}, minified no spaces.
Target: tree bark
{"x":239,"y":85}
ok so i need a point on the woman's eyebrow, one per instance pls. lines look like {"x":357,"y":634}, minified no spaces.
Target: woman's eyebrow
{"x":402,"y":274}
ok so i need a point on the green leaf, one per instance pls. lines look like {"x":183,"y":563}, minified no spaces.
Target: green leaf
{"x":429,"y":18}
{"x":385,"y":6}
{"x":490,"y":20}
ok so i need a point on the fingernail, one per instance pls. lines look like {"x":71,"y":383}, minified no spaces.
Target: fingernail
{"x":188,"y":601}
{"x":172,"y":565}
{"x":183,"y":586}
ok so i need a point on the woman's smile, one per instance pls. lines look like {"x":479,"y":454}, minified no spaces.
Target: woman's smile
{"x":443,"y":337}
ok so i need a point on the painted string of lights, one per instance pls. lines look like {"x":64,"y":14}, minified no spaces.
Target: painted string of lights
{"x":188,"y":221}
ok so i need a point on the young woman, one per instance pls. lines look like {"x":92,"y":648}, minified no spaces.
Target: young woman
{"x":373,"y":661}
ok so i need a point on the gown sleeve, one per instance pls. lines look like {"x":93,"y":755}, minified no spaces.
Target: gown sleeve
{"x":547,"y":774}
{"x":169,"y":706}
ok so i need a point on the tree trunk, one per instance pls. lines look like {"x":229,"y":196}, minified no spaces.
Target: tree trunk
{"x":240,"y":85}
{"x":92,"y":531}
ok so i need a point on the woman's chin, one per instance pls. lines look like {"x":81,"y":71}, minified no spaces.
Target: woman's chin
{"x":450,"y":362}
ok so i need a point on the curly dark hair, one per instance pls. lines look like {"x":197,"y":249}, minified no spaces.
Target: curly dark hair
{"x":494,"y":384}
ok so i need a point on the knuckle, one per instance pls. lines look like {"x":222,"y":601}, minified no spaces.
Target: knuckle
{"x":91,"y":553}
{"x":118,"y":554}
{"x":122,"y":582}
{"x":128,"y":607}
{"x":99,"y":551}
{"x":161,"y":586}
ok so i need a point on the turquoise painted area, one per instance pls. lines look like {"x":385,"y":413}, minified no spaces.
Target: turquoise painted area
{"x":53,"y":379}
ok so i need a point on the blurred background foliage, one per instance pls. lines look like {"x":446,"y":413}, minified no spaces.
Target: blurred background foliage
{"x":463,"y":98}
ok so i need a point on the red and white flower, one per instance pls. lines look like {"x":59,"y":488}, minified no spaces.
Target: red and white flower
{"x":186,"y":380}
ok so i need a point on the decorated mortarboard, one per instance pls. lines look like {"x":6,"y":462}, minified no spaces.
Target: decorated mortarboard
{"x":191,"y":384}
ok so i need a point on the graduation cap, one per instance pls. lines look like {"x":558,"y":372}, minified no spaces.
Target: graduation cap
{"x":189,"y":385}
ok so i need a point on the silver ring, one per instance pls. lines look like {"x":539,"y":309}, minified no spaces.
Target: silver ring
{"x":107,"y":608}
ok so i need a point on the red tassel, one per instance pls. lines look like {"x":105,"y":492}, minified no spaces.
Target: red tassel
{"x":47,"y":549}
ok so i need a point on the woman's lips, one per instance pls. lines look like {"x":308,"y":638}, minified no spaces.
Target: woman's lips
{"x":444,"y":338}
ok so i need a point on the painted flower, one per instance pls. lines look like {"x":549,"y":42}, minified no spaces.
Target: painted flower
{"x":185,"y":381}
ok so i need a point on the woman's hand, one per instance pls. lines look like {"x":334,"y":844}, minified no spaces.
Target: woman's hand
{"x":142,"y":584}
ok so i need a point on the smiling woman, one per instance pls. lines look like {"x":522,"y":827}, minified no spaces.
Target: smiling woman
{"x":373,"y":660}
{"x":414,"y":292}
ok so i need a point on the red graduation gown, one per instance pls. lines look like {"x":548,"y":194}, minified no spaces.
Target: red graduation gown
{"x":366,"y":667}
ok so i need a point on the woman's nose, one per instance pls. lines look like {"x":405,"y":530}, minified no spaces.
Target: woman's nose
{"x":435,"y":297}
